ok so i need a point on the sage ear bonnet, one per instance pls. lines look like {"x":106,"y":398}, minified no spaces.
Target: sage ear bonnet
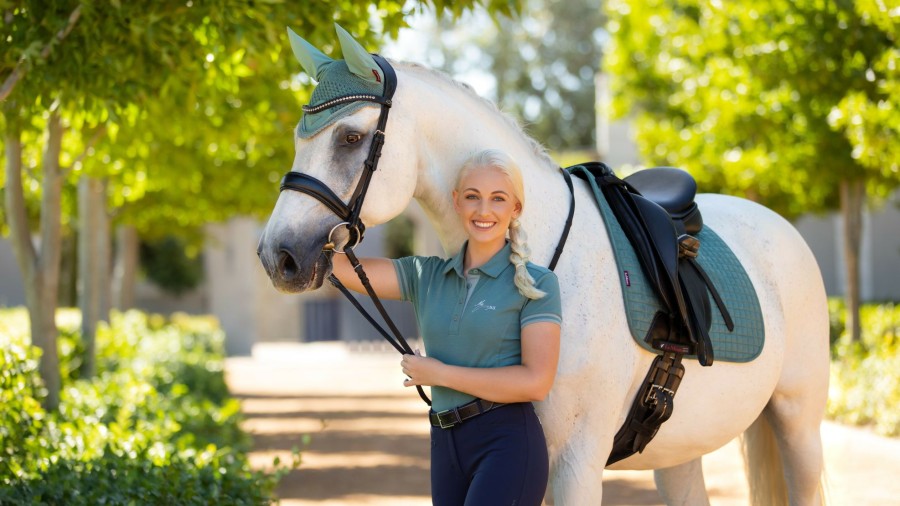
{"x":357,"y":73}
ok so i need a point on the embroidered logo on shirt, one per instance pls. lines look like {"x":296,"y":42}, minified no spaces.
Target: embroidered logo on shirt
{"x":481,"y":305}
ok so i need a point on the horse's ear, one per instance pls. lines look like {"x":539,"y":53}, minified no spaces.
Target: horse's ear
{"x":359,"y":61}
{"x":309,"y":57}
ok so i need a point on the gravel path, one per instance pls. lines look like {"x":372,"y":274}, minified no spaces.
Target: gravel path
{"x":364,"y":438}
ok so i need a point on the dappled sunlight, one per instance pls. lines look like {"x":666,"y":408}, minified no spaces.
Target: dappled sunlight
{"x":363,"y":439}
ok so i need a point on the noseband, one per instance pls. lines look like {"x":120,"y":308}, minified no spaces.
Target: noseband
{"x":306,"y":184}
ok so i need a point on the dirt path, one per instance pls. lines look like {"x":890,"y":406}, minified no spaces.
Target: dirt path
{"x":364,"y":439}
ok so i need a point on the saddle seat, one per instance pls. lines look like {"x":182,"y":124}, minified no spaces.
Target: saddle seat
{"x":673,"y":190}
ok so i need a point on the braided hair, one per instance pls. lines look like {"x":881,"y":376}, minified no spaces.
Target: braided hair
{"x":518,"y":240}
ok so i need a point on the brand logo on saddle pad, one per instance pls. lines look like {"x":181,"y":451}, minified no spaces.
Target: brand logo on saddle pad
{"x":481,"y":305}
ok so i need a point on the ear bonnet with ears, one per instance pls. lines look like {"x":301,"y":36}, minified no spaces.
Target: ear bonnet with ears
{"x":357,"y":73}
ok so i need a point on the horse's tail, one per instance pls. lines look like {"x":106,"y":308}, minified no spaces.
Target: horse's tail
{"x":762,"y":461}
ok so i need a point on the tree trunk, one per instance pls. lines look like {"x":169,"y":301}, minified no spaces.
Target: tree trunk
{"x":68,"y":273}
{"x":853,"y":197}
{"x":94,"y":264}
{"x":125,"y":270}
{"x":40,"y":270}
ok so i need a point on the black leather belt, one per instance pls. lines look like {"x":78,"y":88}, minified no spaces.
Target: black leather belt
{"x":457,"y":415}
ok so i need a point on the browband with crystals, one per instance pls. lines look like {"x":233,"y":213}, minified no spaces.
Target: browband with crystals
{"x":312,"y":109}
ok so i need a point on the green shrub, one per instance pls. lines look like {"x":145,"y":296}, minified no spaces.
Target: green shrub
{"x":865,"y":375}
{"x":21,"y":416}
{"x":156,"y":425}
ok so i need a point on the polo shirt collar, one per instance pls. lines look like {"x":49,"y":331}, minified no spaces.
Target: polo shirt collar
{"x":496,"y":265}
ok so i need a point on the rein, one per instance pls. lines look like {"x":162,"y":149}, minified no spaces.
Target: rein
{"x":350,"y":212}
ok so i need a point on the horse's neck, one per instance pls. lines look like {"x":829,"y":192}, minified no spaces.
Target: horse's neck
{"x":453,"y":123}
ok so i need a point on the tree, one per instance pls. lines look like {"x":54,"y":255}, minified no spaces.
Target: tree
{"x":545,"y":64}
{"x":542,"y":64}
{"x":136,"y":95}
{"x":740,"y":94}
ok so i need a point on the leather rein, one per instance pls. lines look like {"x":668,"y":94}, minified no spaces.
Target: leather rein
{"x":350,"y":213}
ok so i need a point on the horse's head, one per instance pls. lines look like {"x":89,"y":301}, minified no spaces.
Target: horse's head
{"x":333,"y":142}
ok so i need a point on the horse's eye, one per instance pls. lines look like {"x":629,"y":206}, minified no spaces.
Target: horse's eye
{"x":352,"y":138}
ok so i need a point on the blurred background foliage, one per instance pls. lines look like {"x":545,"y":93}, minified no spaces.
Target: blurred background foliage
{"x":182,"y":106}
{"x":779,"y":101}
{"x":865,"y":374}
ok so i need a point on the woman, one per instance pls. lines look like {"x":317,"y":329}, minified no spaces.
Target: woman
{"x":491,"y":324}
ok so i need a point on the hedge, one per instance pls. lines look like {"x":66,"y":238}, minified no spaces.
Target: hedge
{"x":865,"y":375}
{"x":156,"y":425}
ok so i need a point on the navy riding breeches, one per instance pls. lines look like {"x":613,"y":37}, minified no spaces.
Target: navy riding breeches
{"x":498,"y":458}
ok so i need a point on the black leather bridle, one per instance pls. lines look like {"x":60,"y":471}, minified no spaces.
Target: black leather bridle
{"x":350,"y":212}
{"x":304,"y":183}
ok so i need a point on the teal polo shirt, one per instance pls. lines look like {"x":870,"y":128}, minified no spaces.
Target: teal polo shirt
{"x":484,"y":331}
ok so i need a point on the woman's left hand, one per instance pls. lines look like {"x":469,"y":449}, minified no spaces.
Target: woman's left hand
{"x":419,"y":370}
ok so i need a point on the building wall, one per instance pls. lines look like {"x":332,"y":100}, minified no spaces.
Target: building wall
{"x":884,"y":251}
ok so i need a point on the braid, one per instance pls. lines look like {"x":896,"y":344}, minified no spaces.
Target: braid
{"x":519,"y":256}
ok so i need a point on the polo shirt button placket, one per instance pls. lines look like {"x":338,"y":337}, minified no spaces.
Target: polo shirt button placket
{"x":459,"y":308}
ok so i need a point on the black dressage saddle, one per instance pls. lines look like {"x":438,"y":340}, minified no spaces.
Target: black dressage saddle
{"x":656,"y":210}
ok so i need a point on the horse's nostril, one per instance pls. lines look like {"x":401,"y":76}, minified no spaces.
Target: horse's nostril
{"x":286,"y":264}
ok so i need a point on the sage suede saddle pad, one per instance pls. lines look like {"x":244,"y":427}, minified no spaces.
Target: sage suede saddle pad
{"x":724,"y":269}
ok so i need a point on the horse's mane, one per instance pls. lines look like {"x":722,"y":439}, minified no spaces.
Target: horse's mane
{"x":537,"y":148}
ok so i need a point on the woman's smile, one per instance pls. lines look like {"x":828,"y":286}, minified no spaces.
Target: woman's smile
{"x":484,"y":224}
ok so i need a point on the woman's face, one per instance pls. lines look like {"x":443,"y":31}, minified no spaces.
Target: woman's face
{"x":486,"y":204}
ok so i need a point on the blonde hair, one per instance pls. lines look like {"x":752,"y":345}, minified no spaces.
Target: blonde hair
{"x":518,"y":240}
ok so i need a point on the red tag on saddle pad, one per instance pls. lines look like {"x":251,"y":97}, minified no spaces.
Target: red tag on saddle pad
{"x":627,"y":279}
{"x":377,"y":77}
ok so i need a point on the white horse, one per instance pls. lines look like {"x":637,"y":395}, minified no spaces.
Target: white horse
{"x":777,"y":400}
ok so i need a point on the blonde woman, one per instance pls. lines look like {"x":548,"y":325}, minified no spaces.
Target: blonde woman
{"x":490,"y":321}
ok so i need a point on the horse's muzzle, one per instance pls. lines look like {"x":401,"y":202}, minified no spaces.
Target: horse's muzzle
{"x":291,"y":272}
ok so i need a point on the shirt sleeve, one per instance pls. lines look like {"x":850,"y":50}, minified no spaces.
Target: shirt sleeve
{"x":410,"y":272}
{"x":546,"y":309}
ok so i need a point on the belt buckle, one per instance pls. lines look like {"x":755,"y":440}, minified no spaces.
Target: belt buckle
{"x":452,"y":423}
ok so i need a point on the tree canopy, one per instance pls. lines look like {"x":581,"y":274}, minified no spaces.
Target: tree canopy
{"x":182,"y":105}
{"x":184,"y":110}
{"x":540,"y":65}
{"x":775,"y":100}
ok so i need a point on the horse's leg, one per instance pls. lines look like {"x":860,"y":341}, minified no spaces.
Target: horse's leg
{"x":576,"y":477}
{"x":795,"y":410}
{"x":797,"y":406}
{"x":682,"y":484}
{"x":796,"y":431}
{"x":580,"y":428}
